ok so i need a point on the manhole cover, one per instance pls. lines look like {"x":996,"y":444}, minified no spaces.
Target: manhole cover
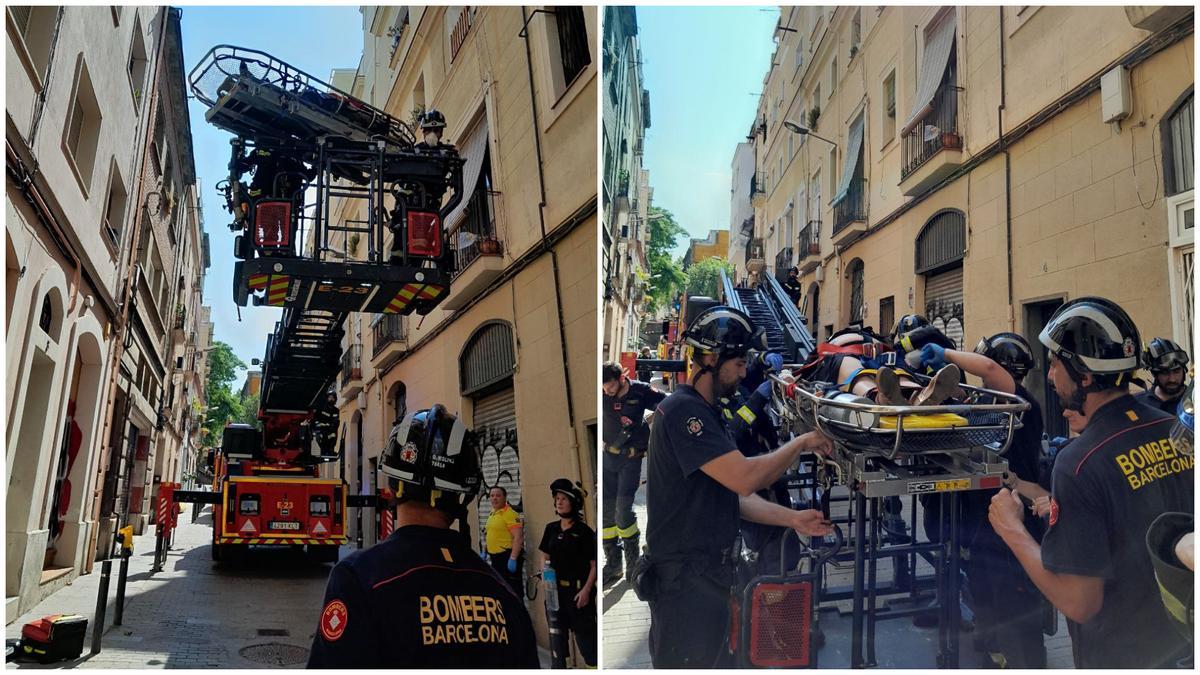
{"x":275,"y":654}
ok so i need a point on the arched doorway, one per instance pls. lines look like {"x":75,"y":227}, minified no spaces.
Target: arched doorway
{"x":486,"y":366}
{"x":856,"y":306}
{"x":812,"y":309}
{"x":940,"y":248}
{"x":12,"y":277}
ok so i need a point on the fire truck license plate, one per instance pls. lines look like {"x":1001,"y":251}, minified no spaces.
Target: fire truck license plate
{"x":283,"y":525}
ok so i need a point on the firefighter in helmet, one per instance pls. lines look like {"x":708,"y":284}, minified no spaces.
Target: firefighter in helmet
{"x":569,"y":545}
{"x":422,"y":598}
{"x":1168,"y":363}
{"x":433,"y":125}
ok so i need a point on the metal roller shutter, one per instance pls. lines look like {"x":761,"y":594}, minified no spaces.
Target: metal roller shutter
{"x":944,"y":303}
{"x":495,"y":420}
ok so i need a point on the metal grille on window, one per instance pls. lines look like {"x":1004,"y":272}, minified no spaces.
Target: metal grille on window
{"x":856,"y":291}
{"x":487,"y":360}
{"x":941,"y":242}
{"x":572,"y":41}
{"x":1189,"y":295}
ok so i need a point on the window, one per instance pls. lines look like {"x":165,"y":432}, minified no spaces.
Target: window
{"x":36,"y":27}
{"x":573,"y":45}
{"x":791,"y":147}
{"x":833,"y":75}
{"x":887,"y":314}
{"x":1177,"y":143}
{"x":889,"y":107}
{"x":138,"y":64}
{"x":114,"y":209}
{"x":817,"y":98}
{"x":832,"y":170}
{"x":798,"y":58}
{"x":857,"y":307}
{"x":855,"y":32}
{"x":116,"y":15}
{"x":816,"y":198}
{"x":82,"y":133}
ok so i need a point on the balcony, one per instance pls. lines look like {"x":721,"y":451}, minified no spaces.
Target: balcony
{"x":351,"y":377}
{"x":809,"y":252}
{"x":783,"y":262}
{"x":755,"y":257}
{"x":758,"y":189}
{"x":932,"y":149}
{"x":478,"y":254}
{"x":389,"y":339}
{"x":850,"y":214}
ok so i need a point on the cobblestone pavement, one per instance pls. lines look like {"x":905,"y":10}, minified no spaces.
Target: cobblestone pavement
{"x":899,"y":644}
{"x":261,"y":613}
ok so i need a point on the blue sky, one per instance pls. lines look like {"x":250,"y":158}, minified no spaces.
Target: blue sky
{"x":315,"y":40}
{"x":704,"y":68}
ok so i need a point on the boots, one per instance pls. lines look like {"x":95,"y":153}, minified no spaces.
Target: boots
{"x":611,"y":573}
{"x":633,"y":551}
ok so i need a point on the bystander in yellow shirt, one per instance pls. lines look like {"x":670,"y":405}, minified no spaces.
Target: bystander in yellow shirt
{"x":500,"y":526}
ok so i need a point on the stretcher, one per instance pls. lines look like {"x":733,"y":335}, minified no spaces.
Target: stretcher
{"x":983,"y":419}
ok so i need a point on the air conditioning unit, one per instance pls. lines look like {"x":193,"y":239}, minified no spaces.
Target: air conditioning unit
{"x":820,"y":273}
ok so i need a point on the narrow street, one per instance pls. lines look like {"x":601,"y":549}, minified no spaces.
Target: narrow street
{"x":196,"y":613}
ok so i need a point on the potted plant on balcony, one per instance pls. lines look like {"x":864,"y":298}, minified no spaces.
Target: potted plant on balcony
{"x":951,"y":140}
{"x":489,"y":245}
{"x":814,"y":248}
{"x":813,"y":116}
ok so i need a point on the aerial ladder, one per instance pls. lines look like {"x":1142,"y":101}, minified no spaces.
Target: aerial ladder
{"x":300,"y":143}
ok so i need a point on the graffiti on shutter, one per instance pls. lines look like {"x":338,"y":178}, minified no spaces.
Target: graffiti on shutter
{"x":944,"y":303}
{"x":495,"y":422}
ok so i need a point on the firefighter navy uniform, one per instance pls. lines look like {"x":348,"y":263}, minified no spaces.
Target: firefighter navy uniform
{"x":1149,"y":399}
{"x":421,"y":599}
{"x":625,"y":440}
{"x":572,"y":552}
{"x":1008,"y":606}
{"x":692,"y":525}
{"x":1108,"y":486}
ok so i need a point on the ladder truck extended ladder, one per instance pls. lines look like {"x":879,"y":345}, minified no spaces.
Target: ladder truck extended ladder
{"x":299,"y":144}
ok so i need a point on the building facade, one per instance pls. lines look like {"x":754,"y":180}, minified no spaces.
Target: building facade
{"x":741,"y":212}
{"x":715,"y":245}
{"x":625,"y":188}
{"x":96,"y":257}
{"x":512,"y":349}
{"x":981,"y":169}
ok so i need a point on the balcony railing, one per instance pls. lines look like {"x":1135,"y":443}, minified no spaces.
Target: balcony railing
{"x":853,"y":206}
{"x":783,"y":262}
{"x":476,"y":233}
{"x":758,"y":184}
{"x":351,"y":364}
{"x":936,"y":131}
{"x":389,"y":329}
{"x":810,"y":240}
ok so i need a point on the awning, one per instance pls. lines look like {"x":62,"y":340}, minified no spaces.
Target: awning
{"x":937,"y":56}
{"x":853,"y":151}
{"x":472,"y":150}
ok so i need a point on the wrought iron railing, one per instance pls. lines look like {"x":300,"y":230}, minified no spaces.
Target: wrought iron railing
{"x":755,"y":250}
{"x":758,"y":183}
{"x":936,"y":130}
{"x":352,"y":364}
{"x":852,"y":207}
{"x":810,"y":240}
{"x":389,"y":329}
{"x":475,"y":235}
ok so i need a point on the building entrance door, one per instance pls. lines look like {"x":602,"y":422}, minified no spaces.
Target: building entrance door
{"x":1037,"y":315}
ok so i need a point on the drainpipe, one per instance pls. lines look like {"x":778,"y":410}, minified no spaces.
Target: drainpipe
{"x":562,"y":331}
{"x":121,"y":325}
{"x":1008,"y":234}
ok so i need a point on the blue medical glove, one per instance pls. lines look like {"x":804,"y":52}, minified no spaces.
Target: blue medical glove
{"x":775,"y":361}
{"x":933,"y":356}
{"x":512,"y":566}
{"x":764,"y":390}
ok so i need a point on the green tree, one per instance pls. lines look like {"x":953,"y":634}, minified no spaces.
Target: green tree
{"x":665,"y":274}
{"x":223,"y":405}
{"x":249,"y":405}
{"x":703,"y":278}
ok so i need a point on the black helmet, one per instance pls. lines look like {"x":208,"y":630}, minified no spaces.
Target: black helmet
{"x":1183,"y":433}
{"x":725,"y":331}
{"x":1163,"y":355}
{"x":573,"y":492}
{"x":431,"y":452}
{"x":913,"y":340}
{"x":908,"y":323}
{"x":432,"y":119}
{"x":1010,"y":350}
{"x":1093,"y":335}
{"x":1174,"y":580}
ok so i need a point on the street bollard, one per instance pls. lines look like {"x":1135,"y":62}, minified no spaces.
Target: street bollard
{"x":125,"y":537}
{"x":101,"y":604}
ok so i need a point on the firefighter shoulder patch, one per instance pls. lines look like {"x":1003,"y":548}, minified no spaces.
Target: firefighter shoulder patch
{"x":1053,"y":511}
{"x":333,"y":620}
{"x":694,"y":426}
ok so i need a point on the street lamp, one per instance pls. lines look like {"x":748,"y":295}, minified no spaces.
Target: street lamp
{"x":804,"y":131}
